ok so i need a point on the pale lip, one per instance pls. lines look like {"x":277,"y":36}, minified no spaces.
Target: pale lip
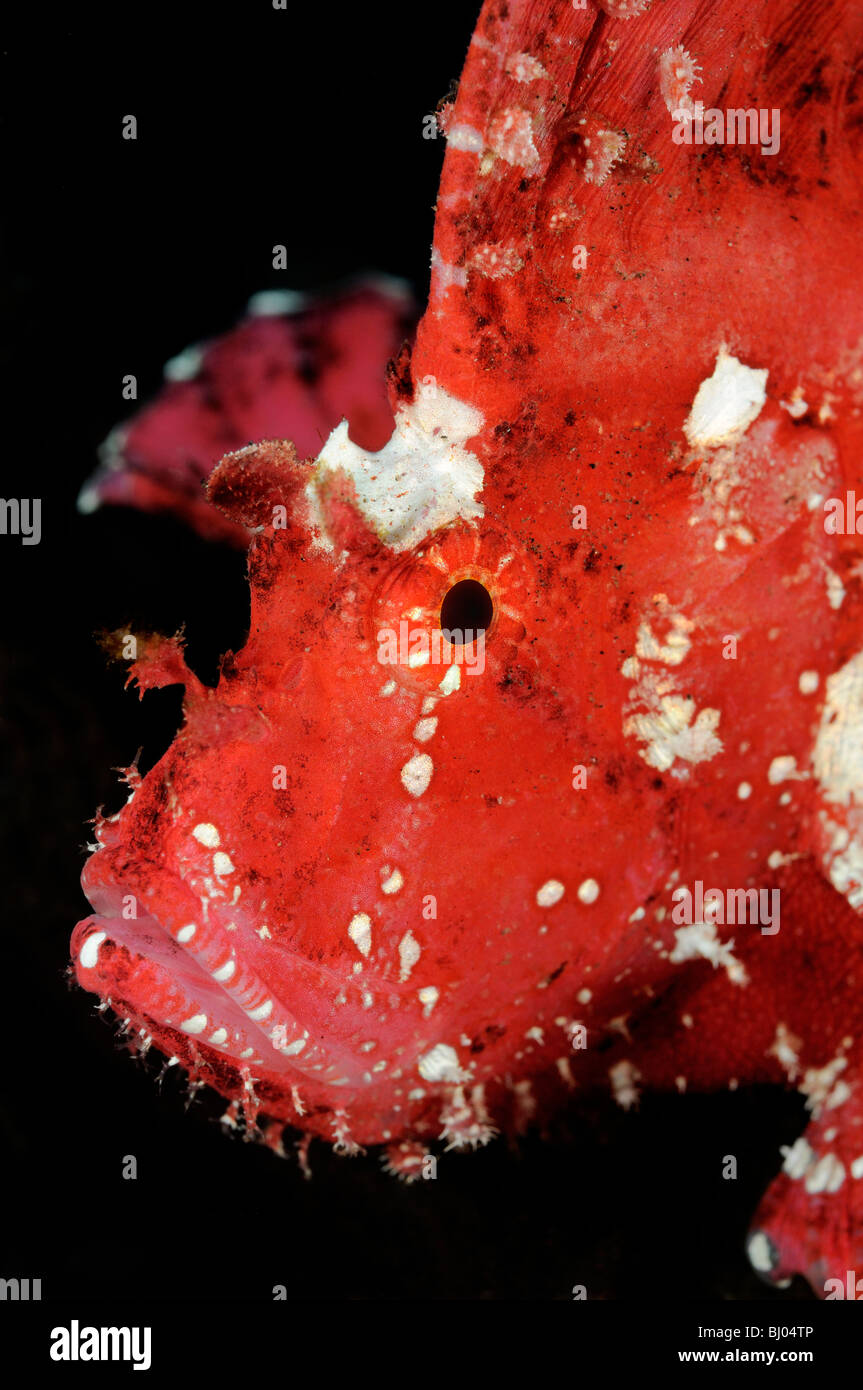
{"x":198,"y":983}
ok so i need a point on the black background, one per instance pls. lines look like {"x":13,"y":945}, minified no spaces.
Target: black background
{"x":255,"y":127}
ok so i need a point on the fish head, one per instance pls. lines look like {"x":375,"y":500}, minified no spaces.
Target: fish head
{"x":352,"y":855}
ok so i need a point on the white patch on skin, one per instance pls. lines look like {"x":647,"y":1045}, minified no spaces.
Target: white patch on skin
{"x":828,"y":1175}
{"x":700,"y":939}
{"x":388,"y":689}
{"x":781,"y":769}
{"x":393,"y":880}
{"x":785,"y":1049}
{"x":360,"y":932}
{"x":219,"y":1037}
{"x":677,"y":72}
{"x":838,"y":1096}
{"x":441,"y":1064}
{"x":510,"y":137}
{"x":207,"y":834}
{"x":417,"y":773}
{"x":776,"y":859}
{"x":726,"y":403}
{"x":838,"y":765}
{"x":844,"y":859}
{"x":186,"y":933}
{"x":856,"y":1168}
{"x":451,"y":681}
{"x":261,"y":1012}
{"x":602,"y":148}
{"x":799,"y":1158}
{"x":835,"y":588}
{"x":584,"y":996}
{"x":535,"y":1035}
{"x":656,"y":713}
{"x":744,"y":791}
{"x":443,"y":276}
{"x":818,"y":1083}
{"x":428,"y":704}
{"x":623,"y":1077}
{"x":759,"y":1252}
{"x":222,"y":865}
{"x":672,"y":651}
{"x":428,"y":997}
{"x":797,"y":406}
{"x":409,"y":954}
{"x":196,"y":1024}
{"x":808,"y":682}
{"x":838,"y":756}
{"x":422,"y":478}
{"x":671,"y":729}
{"x":550,"y":893}
{"x":464,"y":137}
{"x":523,"y":67}
{"x":496,"y":260}
{"x":588,"y":891}
{"x":89,"y":953}
{"x":425,"y":730}
{"x":225,"y":971}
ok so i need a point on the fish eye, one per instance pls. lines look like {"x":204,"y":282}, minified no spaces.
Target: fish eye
{"x":466,"y":607}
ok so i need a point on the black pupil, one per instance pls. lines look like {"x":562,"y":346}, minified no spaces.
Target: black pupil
{"x":466,"y":609}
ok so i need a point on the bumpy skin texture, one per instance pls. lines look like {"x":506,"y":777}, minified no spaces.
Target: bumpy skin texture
{"x":703,"y":759}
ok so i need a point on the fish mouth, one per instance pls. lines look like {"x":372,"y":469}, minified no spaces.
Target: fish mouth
{"x":193,"y":978}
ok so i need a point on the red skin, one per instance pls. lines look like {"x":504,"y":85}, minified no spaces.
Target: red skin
{"x":584,"y":379}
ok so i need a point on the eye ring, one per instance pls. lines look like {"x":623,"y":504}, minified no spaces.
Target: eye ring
{"x":467,"y":609}
{"x":458,"y":583}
